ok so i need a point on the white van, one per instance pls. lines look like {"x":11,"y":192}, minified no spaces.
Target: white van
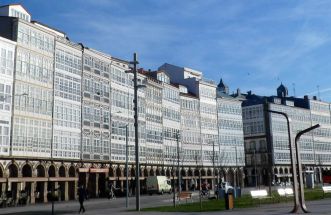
{"x":158,"y":184}
{"x":226,"y":186}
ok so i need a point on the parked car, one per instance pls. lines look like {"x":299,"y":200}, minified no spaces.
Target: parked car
{"x":158,"y":184}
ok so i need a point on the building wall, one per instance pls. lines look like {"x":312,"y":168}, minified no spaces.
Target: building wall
{"x":96,"y":106}
{"x":190,"y":129}
{"x":269,"y":151}
{"x":122,"y":113}
{"x":300,"y":121}
{"x":320,"y":114}
{"x":208,"y":119}
{"x":7,"y":53}
{"x":154,"y":122}
{"x":78,"y":103}
{"x":67,"y":100}
{"x":171,"y":124}
{"x":230,"y":133}
{"x":32,"y":130}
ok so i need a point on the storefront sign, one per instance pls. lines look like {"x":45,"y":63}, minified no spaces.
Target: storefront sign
{"x":83,"y":170}
{"x":97,"y":170}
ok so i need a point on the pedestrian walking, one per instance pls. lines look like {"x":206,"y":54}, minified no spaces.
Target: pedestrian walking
{"x":112,"y":189}
{"x":81,"y":197}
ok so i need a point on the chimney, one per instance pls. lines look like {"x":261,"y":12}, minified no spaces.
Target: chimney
{"x":314,"y":97}
{"x":305,"y":97}
{"x":238,"y":92}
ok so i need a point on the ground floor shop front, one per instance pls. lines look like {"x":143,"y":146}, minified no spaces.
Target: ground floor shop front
{"x":33,"y":181}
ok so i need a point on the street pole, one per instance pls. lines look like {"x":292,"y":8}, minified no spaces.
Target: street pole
{"x":173,"y":182}
{"x":255,"y":169}
{"x":292,"y":155}
{"x":237,"y":181}
{"x":200,"y":197}
{"x":135,"y":101}
{"x":299,"y":167}
{"x":213,"y":166}
{"x":126,"y":165}
{"x":179,"y":184}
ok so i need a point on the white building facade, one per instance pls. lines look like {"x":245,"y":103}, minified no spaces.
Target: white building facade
{"x":266,"y":136}
{"x":32,"y":131}
{"x":96,"y":106}
{"x":231,"y":154}
{"x":67,"y":100}
{"x":7,"y":53}
{"x":72,"y":105}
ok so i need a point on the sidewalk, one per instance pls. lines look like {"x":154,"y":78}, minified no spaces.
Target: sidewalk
{"x":105,"y":207}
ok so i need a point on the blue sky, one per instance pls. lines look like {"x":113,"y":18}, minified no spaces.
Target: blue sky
{"x":253,"y":45}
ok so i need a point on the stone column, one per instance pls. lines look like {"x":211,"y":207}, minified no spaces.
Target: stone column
{"x":66,"y":191}
{"x":242,"y":179}
{"x":186,"y":184}
{"x":3,"y":187}
{"x":106,"y":181}
{"x":19,"y":188}
{"x":86,"y":180}
{"x":76,"y":188}
{"x":97,"y":184}
{"x":45,"y":192}
{"x":122,"y":185}
{"x":32,"y":190}
{"x":56,"y":190}
{"x":23,"y":184}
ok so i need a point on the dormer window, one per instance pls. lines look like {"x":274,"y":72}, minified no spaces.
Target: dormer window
{"x":163,"y":77}
{"x":19,"y":12}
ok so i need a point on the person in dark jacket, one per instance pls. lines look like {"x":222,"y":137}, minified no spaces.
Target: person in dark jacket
{"x":81,"y":198}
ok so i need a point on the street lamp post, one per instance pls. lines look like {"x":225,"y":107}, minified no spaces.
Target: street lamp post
{"x":255,"y":172}
{"x":173,"y":181}
{"x":179,"y":184}
{"x":296,"y":169}
{"x":135,"y":102}
{"x":213,"y":166}
{"x":199,"y":169}
{"x":52,"y":194}
{"x":126,"y":165}
{"x":292,"y":155}
{"x":299,"y":167}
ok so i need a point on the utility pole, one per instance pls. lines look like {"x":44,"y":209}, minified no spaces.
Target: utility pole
{"x":255,"y":168}
{"x":135,"y":102}
{"x":237,"y":181}
{"x":135,"y":107}
{"x":179,"y":184}
{"x":173,"y":181}
{"x":213,"y":165}
{"x":126,"y":165}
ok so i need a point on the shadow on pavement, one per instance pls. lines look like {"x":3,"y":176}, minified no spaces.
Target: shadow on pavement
{"x":57,"y":212}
